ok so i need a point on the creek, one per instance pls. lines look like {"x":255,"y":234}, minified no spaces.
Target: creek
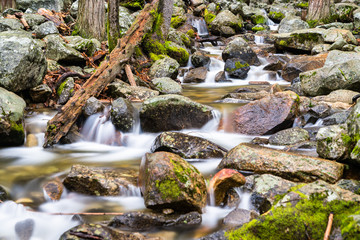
{"x":25,"y":170}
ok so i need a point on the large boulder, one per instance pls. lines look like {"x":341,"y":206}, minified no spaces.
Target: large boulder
{"x":166,"y":85}
{"x":11,"y":118}
{"x":267,"y":115}
{"x":291,"y":24}
{"x":122,"y":114}
{"x":226,"y":24}
{"x":238,"y":48}
{"x":88,"y":46}
{"x":98,"y":181}
{"x":166,"y":67}
{"x":45,"y":29}
{"x":187,"y":146}
{"x":173,"y":112}
{"x":34,"y":5}
{"x":196,"y":75}
{"x":121,"y":89}
{"x":10,"y":24}
{"x":237,"y":68}
{"x":292,"y":166}
{"x":170,"y":182}
{"x":199,"y":59}
{"x":22,"y":62}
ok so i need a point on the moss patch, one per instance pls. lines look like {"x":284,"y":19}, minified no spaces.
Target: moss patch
{"x":168,"y":188}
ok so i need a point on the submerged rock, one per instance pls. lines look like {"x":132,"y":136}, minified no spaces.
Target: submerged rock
{"x":239,"y":48}
{"x":237,"y":68}
{"x":173,"y":112}
{"x":292,"y":166}
{"x":187,"y":146}
{"x":54,"y":189}
{"x":168,"y":181}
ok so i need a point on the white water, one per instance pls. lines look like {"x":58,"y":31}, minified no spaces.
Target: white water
{"x":273,"y":26}
{"x":259,"y":39}
{"x":200,"y":26}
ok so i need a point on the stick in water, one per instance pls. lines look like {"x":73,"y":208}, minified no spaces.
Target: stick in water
{"x":328,"y":228}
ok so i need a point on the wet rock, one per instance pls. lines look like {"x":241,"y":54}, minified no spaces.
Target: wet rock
{"x":177,"y":52}
{"x":237,"y":68}
{"x":34,"y":20}
{"x":340,"y":95}
{"x":58,"y":50}
{"x":22,"y":62}
{"x":336,"y":118}
{"x":168,"y":181}
{"x":295,"y":167}
{"x":98,"y":231}
{"x":291,"y":24}
{"x":226,"y":24}
{"x":11,"y":119}
{"x":173,"y":112}
{"x":187,"y":146}
{"x":34,"y":5}
{"x":196,"y":75}
{"x":267,"y":115}
{"x":331,"y":143}
{"x":41,"y":93}
{"x":222,"y":182}
{"x":45,"y":29}
{"x":99,"y":182}
{"x":54,"y":189}
{"x":238,"y":48}
{"x":259,"y":140}
{"x":3,"y":194}
{"x":122,"y":114}
{"x":88,"y":46}
{"x":239,"y":217}
{"x":24,"y":229}
{"x":221,"y":77}
{"x":10,"y":24}
{"x":92,"y":106}
{"x":167,"y":86}
{"x":72,"y":136}
{"x":121,"y":89}
{"x":297,"y":65}
{"x":218,"y":235}
{"x":65,"y":90}
{"x":198,"y":59}
{"x":166,"y":67}
{"x":349,"y":184}
{"x":289,"y":136}
{"x":247,"y":96}
{"x":144,"y":221}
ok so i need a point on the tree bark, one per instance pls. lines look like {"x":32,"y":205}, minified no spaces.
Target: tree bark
{"x":319,"y":10}
{"x":165,"y":9}
{"x":113,"y":30}
{"x":5,"y":4}
{"x":61,"y":123}
{"x":91,"y":19}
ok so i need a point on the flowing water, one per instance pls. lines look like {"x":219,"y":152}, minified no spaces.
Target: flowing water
{"x":25,"y":170}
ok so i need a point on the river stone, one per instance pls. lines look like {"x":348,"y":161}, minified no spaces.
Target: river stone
{"x":329,"y":78}
{"x":45,"y":29}
{"x":218,"y":235}
{"x":11,"y":119}
{"x":56,"y":5}
{"x":173,"y":112}
{"x":335,"y":57}
{"x":65,"y":90}
{"x":122,"y":114}
{"x":98,"y":181}
{"x":199,"y":59}
{"x":226,"y":24}
{"x":267,"y":115}
{"x":144,"y":221}
{"x":349,"y":184}
{"x":41,"y":93}
{"x":10,"y":24}
{"x":59,"y":51}
{"x":222,"y":182}
{"x":88,"y":46}
{"x":300,"y":64}
{"x":167,"y":86}
{"x":238,"y":48}
{"x":292,"y":166}
{"x":166,"y":67}
{"x":24,"y":229}
{"x":237,"y":68}
{"x":196,"y":75}
{"x":289,"y":136}
{"x":121,"y":89}
{"x":92,"y":106}
{"x":22,"y":62}
{"x":3,"y":194}
{"x":239,"y":217}
{"x":168,"y":181}
{"x":187,"y":146}
{"x":98,"y":231}
{"x":336,"y":118}
{"x":34,"y":20}
{"x":340,"y":95}
{"x":54,"y":189}
{"x":291,"y":24}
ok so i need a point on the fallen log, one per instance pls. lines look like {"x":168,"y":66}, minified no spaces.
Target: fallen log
{"x":61,"y":123}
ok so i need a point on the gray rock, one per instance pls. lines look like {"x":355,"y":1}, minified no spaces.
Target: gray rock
{"x":56,"y":5}
{"x":237,"y":68}
{"x":10,"y":24}
{"x":120,"y":89}
{"x":336,"y":118}
{"x":40,"y":93}
{"x":166,"y":67}
{"x":122,"y":114}
{"x":34,"y":19}
{"x":125,"y":19}
{"x":198,"y":59}
{"x":320,"y":48}
{"x":88,"y":46}
{"x":341,"y":95}
{"x":357,"y":20}
{"x":239,"y":217}
{"x":11,"y":119}
{"x":45,"y":29}
{"x":338,"y":44}
{"x":349,"y":184}
{"x":331,"y":143}
{"x":226,"y":24}
{"x":24,"y":229}
{"x":66,"y":90}
{"x":196,"y":75}
{"x":344,"y":11}
{"x":167,"y":86}
{"x":336,"y":57}
{"x":22,"y":62}
{"x":74,"y":9}
{"x":347,"y":26}
{"x":93,"y":106}
{"x":187,"y":146}
{"x":291,"y":24}
{"x":289,"y":136}
{"x":238,"y":48}
{"x":221,"y":77}
{"x":158,"y":113}
{"x":59,"y":51}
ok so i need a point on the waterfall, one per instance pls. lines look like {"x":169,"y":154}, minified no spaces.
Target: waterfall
{"x":273,"y":26}
{"x":245,"y":201}
{"x":259,"y":39}
{"x":200,"y":26}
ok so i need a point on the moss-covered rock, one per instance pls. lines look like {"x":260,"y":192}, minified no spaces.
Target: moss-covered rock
{"x":168,"y":181}
{"x":239,"y":48}
{"x":167,"y":86}
{"x":177,"y":52}
{"x":134,"y":5}
{"x":88,"y":46}
{"x":237,"y":68}
{"x":165,"y":67}
{"x":226,"y":24}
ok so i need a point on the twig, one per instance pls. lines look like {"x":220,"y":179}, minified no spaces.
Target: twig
{"x":328,"y":228}
{"x":130,"y":75}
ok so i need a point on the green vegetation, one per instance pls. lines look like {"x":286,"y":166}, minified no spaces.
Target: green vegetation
{"x":278,"y":16}
{"x":258,"y":28}
{"x":303,"y":5}
{"x":177,"y":21}
{"x":168,"y":188}
{"x":134,"y":5}
{"x":209,"y":16}
{"x":258,"y":19}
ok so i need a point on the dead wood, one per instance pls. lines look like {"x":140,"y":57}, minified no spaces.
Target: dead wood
{"x":56,"y":18}
{"x":61,"y":123}
{"x":328,"y":228}
{"x":130,"y":75}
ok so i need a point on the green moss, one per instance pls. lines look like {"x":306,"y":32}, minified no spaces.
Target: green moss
{"x":258,"y":28}
{"x":303,"y":5}
{"x":356,"y":151}
{"x":191,"y":33}
{"x":278,"y":16}
{"x":283,"y":43}
{"x":135,"y":5}
{"x":238,"y":65}
{"x":61,"y":88}
{"x":209,"y":16}
{"x":138,"y":52}
{"x":186,"y":41}
{"x":306,"y":220}
{"x":18,"y":127}
{"x":258,"y":19}
{"x":168,"y":188}
{"x":312,"y":23}
{"x":178,"y":53}
{"x":155,"y":57}
{"x":177,"y":21}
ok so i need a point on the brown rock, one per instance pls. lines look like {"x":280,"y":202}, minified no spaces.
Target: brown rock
{"x":54,"y":189}
{"x":196,"y":75}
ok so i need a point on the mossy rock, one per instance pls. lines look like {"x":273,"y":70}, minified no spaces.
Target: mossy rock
{"x":177,"y":52}
{"x":134,"y":5}
{"x":276,"y":16}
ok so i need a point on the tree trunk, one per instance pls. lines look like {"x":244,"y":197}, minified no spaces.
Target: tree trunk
{"x":5,"y":4}
{"x":319,"y":10}
{"x":165,"y":10}
{"x":91,"y":19}
{"x":61,"y":123}
{"x":113,"y":30}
